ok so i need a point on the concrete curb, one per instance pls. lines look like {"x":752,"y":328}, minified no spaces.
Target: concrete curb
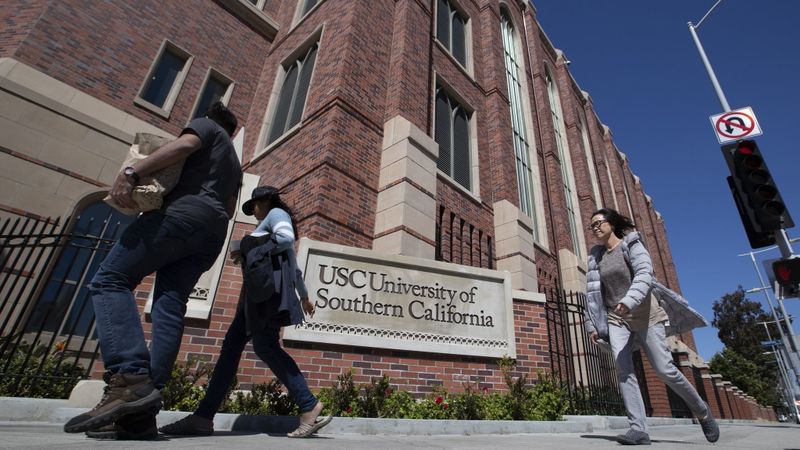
{"x":57,"y":412}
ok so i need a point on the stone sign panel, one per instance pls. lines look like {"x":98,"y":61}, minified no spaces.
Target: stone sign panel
{"x":370,"y":299}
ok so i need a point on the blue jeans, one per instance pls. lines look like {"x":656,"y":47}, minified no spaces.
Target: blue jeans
{"x":267,"y":346}
{"x":178,"y":252}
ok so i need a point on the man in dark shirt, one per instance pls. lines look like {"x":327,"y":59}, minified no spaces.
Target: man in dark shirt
{"x":178,"y":243}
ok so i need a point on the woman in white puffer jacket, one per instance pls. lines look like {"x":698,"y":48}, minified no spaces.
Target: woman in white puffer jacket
{"x":622,"y":311}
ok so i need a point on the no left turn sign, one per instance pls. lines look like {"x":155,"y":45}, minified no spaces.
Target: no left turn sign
{"x":734,"y":125}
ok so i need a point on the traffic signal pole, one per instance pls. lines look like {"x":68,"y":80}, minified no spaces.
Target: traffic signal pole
{"x":781,"y":238}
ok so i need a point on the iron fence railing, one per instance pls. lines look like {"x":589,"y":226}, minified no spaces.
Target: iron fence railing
{"x":47,"y":334}
{"x":586,"y":371}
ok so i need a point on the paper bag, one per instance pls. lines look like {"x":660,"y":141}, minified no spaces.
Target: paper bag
{"x":150,"y":191}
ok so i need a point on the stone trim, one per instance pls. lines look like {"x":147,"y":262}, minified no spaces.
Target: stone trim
{"x":52,"y":167}
{"x":405,"y":218}
{"x":528,"y":297}
{"x":32,"y":85}
{"x":514,"y":244}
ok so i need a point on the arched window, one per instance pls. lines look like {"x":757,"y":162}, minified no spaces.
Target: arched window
{"x":452,"y":135}
{"x":522,"y":145}
{"x":561,"y":144}
{"x":63,"y":306}
{"x":587,"y":148}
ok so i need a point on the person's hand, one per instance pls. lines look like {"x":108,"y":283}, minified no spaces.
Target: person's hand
{"x":594,"y":336}
{"x":308,"y":307}
{"x":121,"y":192}
{"x":621,"y":309}
{"x":236,"y":256}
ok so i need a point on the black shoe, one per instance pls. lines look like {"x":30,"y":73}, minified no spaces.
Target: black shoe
{"x":633,"y":437}
{"x":125,"y":394}
{"x":191,"y":425}
{"x":710,"y":427}
{"x":133,"y":427}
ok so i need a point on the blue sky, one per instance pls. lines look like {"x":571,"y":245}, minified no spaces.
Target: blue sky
{"x":637,"y":60}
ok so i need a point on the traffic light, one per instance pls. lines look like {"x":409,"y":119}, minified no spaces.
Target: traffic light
{"x":757,"y":239}
{"x":787,"y":274}
{"x":761,"y":201}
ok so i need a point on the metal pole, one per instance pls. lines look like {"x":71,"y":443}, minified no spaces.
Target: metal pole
{"x":788,"y":391}
{"x":780,"y":236}
{"x":722,"y":100}
{"x":764,"y":289}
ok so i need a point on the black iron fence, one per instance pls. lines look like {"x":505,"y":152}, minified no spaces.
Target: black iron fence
{"x":586,"y":371}
{"x":47,"y":335}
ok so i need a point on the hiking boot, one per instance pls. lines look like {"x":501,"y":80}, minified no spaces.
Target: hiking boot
{"x":191,"y":425}
{"x":124,"y":394}
{"x":633,"y":437}
{"x":710,"y":427}
{"x":132,"y":427}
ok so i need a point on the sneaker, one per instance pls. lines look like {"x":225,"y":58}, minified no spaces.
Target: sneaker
{"x":633,"y":437}
{"x":710,"y":428}
{"x":191,"y":425}
{"x":133,"y":427}
{"x":125,"y":394}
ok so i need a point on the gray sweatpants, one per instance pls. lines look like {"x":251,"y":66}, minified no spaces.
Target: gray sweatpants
{"x":654,"y":344}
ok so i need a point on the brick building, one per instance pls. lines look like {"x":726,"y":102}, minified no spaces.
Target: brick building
{"x":444,"y":140}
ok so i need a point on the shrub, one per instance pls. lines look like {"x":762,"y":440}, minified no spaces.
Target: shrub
{"x":342,"y":398}
{"x":399,"y":404}
{"x":372,"y":403}
{"x":24,"y":377}
{"x":544,"y":399}
{"x":182,"y":392}
{"x":469,"y":405}
{"x":263,"y":399}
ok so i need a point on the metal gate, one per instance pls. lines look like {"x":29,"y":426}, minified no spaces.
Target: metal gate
{"x":581,"y":366}
{"x":47,"y":335}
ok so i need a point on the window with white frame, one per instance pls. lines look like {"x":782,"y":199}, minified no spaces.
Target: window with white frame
{"x":307,"y":6}
{"x":164,"y":79}
{"x":259,"y":4}
{"x":621,"y":157}
{"x":611,"y":183}
{"x":452,"y":134}
{"x":560,"y":138}
{"x":587,"y":148}
{"x":216,"y":87}
{"x":451,"y":30}
{"x":292,"y":96}
{"x":522,"y":146}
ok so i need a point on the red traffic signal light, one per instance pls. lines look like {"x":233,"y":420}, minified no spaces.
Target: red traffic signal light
{"x":787,"y":271}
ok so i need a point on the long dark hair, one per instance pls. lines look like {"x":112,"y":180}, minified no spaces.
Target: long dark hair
{"x":273,"y":196}
{"x":618,"y":222}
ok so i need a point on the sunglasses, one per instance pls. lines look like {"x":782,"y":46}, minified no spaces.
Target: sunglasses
{"x":596,"y":224}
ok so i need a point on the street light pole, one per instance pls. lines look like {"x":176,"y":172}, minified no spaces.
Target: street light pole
{"x":788,"y":386}
{"x":721,"y":95}
{"x":781,"y":238}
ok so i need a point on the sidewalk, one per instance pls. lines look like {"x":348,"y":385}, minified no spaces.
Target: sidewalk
{"x":734,"y":436}
{"x":37,"y":423}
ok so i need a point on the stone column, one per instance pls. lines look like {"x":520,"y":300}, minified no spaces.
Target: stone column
{"x":513,"y":231}
{"x":405,"y":221}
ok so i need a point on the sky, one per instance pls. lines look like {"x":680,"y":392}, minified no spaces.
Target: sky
{"x":637,"y":60}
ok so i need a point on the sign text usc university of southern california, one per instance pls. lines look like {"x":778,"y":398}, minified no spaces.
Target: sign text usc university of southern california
{"x":371,"y":299}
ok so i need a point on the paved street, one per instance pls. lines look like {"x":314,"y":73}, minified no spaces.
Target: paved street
{"x":734,"y":436}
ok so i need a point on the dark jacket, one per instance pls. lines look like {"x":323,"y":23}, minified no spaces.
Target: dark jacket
{"x":269,"y":278}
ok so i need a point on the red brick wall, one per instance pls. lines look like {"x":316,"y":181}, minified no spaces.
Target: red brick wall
{"x":106,"y":51}
{"x":376,"y":60}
